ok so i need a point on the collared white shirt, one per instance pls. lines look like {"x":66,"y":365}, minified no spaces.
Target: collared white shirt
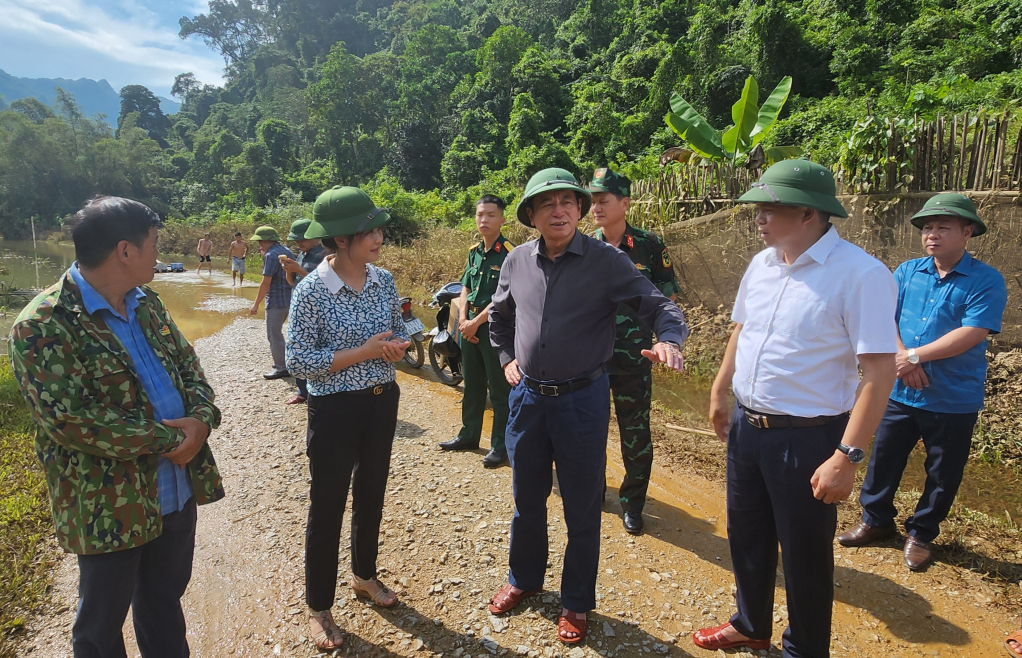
{"x":327,"y":315}
{"x":804,"y":325}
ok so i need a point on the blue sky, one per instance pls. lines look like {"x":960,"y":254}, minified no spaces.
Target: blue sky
{"x":124,"y":41}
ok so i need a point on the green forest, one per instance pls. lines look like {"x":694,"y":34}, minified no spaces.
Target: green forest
{"x":427,"y":103}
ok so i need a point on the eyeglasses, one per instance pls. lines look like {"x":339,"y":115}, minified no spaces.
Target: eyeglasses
{"x":766,"y":188}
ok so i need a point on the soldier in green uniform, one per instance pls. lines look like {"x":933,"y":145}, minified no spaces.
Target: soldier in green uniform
{"x":630,"y":372}
{"x":480,"y":364}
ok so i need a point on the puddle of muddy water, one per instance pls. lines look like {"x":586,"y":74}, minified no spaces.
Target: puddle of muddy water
{"x":203,"y":305}
{"x":988,"y":488}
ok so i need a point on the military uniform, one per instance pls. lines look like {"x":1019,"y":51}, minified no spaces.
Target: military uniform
{"x":480,"y":363}
{"x":631,"y":379}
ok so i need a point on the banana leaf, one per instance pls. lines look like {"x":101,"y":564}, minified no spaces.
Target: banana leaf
{"x":771,"y":109}
{"x":695,"y":130}
{"x":778,"y":153}
{"x":745,"y":114}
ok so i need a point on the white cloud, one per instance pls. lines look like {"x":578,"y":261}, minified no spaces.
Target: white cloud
{"x":126,"y":32}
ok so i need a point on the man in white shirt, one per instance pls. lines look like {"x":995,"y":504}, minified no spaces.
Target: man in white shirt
{"x":810,"y":311}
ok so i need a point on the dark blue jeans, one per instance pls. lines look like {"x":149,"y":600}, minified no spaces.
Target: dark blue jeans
{"x":151,"y":579}
{"x":947,"y":439}
{"x":770,"y":501}
{"x":569,"y":431}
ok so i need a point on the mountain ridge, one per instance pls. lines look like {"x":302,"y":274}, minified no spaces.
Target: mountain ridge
{"x":95,"y":96}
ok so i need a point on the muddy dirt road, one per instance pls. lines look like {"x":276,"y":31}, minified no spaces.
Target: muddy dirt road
{"x":444,"y":549}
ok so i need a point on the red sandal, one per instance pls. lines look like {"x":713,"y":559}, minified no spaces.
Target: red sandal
{"x":577,"y":625}
{"x":713,"y":639}
{"x":505,"y":600}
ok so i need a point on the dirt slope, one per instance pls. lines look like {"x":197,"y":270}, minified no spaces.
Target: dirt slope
{"x":444,"y":549}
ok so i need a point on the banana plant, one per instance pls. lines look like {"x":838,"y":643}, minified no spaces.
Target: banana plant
{"x":751,"y":125}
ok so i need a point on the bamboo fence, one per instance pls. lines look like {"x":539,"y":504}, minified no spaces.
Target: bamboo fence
{"x":969,"y":152}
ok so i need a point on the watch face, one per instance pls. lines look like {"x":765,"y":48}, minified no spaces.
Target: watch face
{"x":856,"y":455}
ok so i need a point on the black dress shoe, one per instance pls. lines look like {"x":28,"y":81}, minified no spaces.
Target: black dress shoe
{"x":633,"y":523}
{"x":458,"y":443}
{"x":493,"y":459}
{"x":276,"y":374}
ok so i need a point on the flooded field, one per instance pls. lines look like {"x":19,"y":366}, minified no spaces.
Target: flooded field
{"x":201,"y":304}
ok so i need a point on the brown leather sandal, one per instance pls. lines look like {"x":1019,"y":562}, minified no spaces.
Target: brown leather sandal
{"x":1015,"y":637}
{"x":506,"y":599}
{"x":329,"y":637}
{"x":571,"y":628}
{"x":383,"y":596}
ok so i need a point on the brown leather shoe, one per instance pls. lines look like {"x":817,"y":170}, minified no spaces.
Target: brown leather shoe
{"x":918,"y":554}
{"x":863,"y":534}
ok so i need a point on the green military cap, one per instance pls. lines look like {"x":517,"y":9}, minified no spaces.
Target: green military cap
{"x":298,"y":228}
{"x":607,"y":180}
{"x":953,"y":205}
{"x":264,"y":233}
{"x":344,"y":210}
{"x":549,"y":180}
{"x":797,"y":183}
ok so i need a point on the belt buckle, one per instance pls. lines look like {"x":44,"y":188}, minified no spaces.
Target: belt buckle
{"x":377,"y":390}
{"x":548,"y":390}
{"x":758,"y":421}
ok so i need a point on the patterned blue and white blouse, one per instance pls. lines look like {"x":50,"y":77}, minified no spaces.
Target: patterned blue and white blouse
{"x":327,"y":315}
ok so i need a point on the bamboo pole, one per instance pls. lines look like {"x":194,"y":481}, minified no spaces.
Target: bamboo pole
{"x":940,"y":153}
{"x":961,"y":151}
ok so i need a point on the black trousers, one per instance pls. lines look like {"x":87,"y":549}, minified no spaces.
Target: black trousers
{"x":150,"y":579}
{"x":349,"y":441}
{"x":770,"y":501}
{"x":947,"y":438}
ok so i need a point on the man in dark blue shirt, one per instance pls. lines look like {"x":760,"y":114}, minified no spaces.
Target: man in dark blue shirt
{"x":948,"y":303}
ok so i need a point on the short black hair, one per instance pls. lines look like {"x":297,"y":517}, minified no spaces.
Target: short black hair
{"x":237,"y":233}
{"x":106,"y":220}
{"x":492,"y":198}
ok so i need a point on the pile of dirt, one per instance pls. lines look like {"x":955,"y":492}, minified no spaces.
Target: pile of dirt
{"x":998,"y":435}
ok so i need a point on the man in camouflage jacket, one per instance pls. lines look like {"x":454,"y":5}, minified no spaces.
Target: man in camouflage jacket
{"x":99,"y":439}
{"x":631,"y":377}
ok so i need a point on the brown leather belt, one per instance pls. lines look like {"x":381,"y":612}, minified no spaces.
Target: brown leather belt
{"x":773,"y":421}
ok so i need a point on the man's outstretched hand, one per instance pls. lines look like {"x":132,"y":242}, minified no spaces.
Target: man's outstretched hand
{"x":667,"y":354}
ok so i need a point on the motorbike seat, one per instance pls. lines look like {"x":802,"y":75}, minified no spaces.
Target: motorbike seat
{"x":448,"y":292}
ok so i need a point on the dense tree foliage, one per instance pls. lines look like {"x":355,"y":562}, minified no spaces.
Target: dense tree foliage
{"x":456,"y":95}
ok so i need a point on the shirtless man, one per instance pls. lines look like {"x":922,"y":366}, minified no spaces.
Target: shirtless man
{"x":204,"y":249}
{"x":237,"y":253}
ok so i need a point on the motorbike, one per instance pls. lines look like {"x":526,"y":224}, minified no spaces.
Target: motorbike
{"x":444,"y":351}
{"x":415,"y":355}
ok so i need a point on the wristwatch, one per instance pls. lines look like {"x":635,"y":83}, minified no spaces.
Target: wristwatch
{"x":855,"y":455}
{"x":913,"y":358}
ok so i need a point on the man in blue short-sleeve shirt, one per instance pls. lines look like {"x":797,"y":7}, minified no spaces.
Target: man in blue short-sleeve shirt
{"x":948,"y":303}
{"x":275,"y":289}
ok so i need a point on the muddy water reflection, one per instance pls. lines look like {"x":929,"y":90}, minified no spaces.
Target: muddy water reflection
{"x":200,"y":304}
{"x":986,"y":487}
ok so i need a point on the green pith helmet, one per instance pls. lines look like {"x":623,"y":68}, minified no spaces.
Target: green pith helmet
{"x":797,"y":183}
{"x":264,"y":233}
{"x":607,"y":180}
{"x":950,"y":204}
{"x":547,"y":181}
{"x":343,"y":210}
{"x":298,"y":229}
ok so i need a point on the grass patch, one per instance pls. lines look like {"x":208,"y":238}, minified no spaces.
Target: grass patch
{"x":26,"y":550}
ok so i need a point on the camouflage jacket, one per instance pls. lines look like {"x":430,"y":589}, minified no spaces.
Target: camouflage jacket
{"x":96,"y":435}
{"x":650,"y":256}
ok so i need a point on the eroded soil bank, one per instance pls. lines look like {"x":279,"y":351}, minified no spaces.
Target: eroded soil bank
{"x":444,"y":549}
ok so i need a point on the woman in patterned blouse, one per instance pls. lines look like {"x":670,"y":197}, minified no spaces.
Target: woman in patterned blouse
{"x":344,"y":334}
